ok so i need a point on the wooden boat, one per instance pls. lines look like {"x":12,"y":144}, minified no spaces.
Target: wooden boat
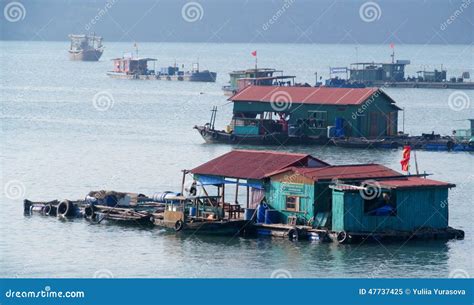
{"x":200,"y":215}
{"x":275,"y":138}
{"x":85,"y":47}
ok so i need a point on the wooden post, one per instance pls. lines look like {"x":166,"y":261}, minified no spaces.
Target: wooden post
{"x":248,"y":196}
{"x":236,"y":191}
{"x":184,"y":179}
{"x":223,"y":195}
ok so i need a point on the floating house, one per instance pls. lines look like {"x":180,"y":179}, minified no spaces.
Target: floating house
{"x":133,"y":68}
{"x":277,"y":115}
{"x":297,"y":195}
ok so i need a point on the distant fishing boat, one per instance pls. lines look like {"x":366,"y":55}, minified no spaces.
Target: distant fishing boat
{"x":138,"y":68}
{"x":85,"y":47}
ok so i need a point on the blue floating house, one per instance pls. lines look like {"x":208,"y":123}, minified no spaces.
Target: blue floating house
{"x":298,"y":195}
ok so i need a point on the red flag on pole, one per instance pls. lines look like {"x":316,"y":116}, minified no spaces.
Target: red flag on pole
{"x":254,"y":53}
{"x":392,"y":45}
{"x":405,"y":158}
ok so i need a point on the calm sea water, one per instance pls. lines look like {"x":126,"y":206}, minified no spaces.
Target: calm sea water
{"x":56,"y":144}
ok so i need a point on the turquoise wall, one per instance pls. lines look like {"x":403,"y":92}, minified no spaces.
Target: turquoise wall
{"x":416,"y":208}
{"x":276,"y":193}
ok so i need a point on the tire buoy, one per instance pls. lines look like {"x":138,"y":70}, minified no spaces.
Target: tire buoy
{"x":65,"y":208}
{"x":233,"y":138}
{"x":215,"y":135}
{"x":50,"y":210}
{"x":89,"y":211}
{"x":203,"y":132}
{"x":342,"y":237}
{"x":450,"y":145}
{"x":178,"y":226}
{"x":293,"y":234}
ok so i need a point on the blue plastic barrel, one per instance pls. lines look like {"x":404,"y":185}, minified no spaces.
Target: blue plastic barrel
{"x":272,"y":216}
{"x":248,"y":213}
{"x":261,"y":212}
{"x":192,"y":211}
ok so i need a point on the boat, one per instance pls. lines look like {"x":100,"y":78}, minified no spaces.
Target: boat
{"x":240,"y":79}
{"x":195,"y":75}
{"x":85,"y":47}
{"x":392,"y":74}
{"x":139,"y":68}
{"x":201,"y":215}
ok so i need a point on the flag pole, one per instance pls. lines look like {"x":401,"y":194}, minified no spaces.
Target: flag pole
{"x":416,"y":162}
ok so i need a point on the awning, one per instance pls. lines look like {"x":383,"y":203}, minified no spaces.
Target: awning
{"x":216,"y":180}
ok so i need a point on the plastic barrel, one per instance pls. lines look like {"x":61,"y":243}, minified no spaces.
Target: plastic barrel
{"x":164,"y":196}
{"x":261,"y":213}
{"x":192,"y":211}
{"x":248,"y":213}
{"x":272,"y":216}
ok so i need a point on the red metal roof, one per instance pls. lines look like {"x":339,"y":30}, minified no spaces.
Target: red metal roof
{"x":356,"y":171}
{"x":252,"y":164}
{"x":306,"y":95}
{"x":410,"y":182}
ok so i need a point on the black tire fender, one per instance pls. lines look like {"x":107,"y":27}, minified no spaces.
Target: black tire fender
{"x":203,"y":132}
{"x":342,"y":237}
{"x":50,"y":210}
{"x":215,"y":135}
{"x":293,"y":234}
{"x":233,"y":138}
{"x":179,"y":225}
{"x":89,"y":211}
{"x":65,"y":208}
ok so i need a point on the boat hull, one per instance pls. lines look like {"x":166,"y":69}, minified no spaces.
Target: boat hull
{"x":215,"y":136}
{"x":221,"y":228}
{"x":186,"y":78}
{"x":88,"y":55}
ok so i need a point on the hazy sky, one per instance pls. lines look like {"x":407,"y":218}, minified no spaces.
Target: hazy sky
{"x":250,"y":21}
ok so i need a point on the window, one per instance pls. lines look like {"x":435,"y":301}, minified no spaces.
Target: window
{"x":317,"y":119}
{"x":292,"y":203}
{"x":385,"y":204}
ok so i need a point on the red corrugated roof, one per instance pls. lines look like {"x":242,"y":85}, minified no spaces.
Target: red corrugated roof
{"x":306,"y":95}
{"x":252,"y":164}
{"x":356,"y":171}
{"x":410,"y":182}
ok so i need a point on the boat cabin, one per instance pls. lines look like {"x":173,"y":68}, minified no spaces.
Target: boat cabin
{"x":373,"y":72}
{"x":258,"y":77}
{"x":133,"y":66}
{"x":314,"y":111}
